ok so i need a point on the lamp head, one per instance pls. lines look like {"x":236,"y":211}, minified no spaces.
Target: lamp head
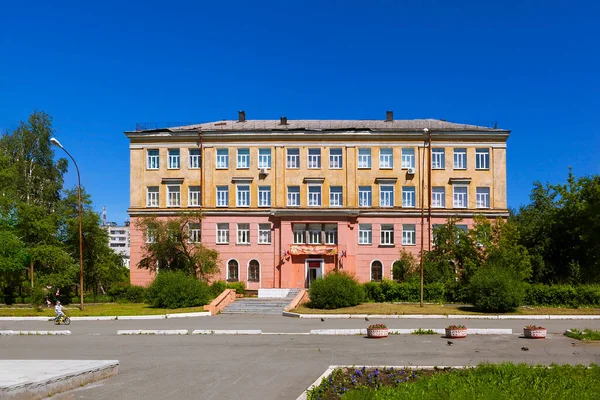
{"x":55,"y":142}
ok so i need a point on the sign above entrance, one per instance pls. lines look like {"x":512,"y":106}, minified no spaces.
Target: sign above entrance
{"x":312,"y":249}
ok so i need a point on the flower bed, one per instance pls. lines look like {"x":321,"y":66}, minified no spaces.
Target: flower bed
{"x":456,"y":331}
{"x":377,"y":331}
{"x":535,"y":332}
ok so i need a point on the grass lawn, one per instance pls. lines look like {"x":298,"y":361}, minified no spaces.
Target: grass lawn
{"x":443,"y":309}
{"x":586,"y":334}
{"x":486,"y":381}
{"x":96,"y":310}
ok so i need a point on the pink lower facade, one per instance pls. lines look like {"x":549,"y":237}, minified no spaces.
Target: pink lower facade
{"x":282,"y":263}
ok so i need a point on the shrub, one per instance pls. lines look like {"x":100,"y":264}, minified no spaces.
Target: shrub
{"x":240,"y":287}
{"x":496,"y":290}
{"x":177,"y":289}
{"x":373,"y":292}
{"x":134,"y":294}
{"x":218,"y":287}
{"x":563,"y":295}
{"x":390,"y":291}
{"x":37,"y":298}
{"x":336,"y":290}
{"x":406,"y":268}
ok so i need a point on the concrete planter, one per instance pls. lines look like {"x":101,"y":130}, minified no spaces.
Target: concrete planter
{"x":457,"y":333}
{"x":379,"y":333}
{"x":538,"y":333}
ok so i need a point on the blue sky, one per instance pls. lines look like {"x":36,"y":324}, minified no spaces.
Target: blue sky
{"x":100,"y":67}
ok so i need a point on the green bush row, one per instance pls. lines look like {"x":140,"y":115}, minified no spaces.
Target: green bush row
{"x":562,"y":295}
{"x":177,"y":290}
{"x":389,"y":291}
{"x":336,"y":290}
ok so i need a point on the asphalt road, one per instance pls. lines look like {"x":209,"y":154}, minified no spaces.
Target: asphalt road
{"x":271,"y":367}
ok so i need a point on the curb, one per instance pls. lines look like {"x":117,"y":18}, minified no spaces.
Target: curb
{"x":347,"y":332}
{"x":153,"y":332}
{"x":34,"y":333}
{"x":227,"y":332}
{"x":113,"y":317}
{"x":436,"y":316}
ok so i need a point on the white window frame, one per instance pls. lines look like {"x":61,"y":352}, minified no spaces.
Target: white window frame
{"x":152,"y":196}
{"x":173,"y":196}
{"x":264,"y":158}
{"x":222,"y":158}
{"x":314,"y":159}
{"x":243,"y":158}
{"x":293,"y":158}
{"x":299,"y":231}
{"x":315,"y":234}
{"x":264,"y":196}
{"x":482,"y":197}
{"x":194,"y":196}
{"x":336,"y":159}
{"x":194,"y":232}
{"x":222,"y":196}
{"x":243,"y":233}
{"x":330,"y":234}
{"x":460,"y":158}
{"x":153,"y":160}
{"x":365,"y":197}
{"x":458,"y":195}
{"x":409,"y":234}
{"x":438,"y":197}
{"x":365,"y":234}
{"x":386,"y":237}
{"x":386,"y":158}
{"x":194,"y":159}
{"x":315,"y":195}
{"x":174,"y":159}
{"x":264,"y":233}
{"x":364,"y":158}
{"x":222,"y":233}
{"x":293,"y":194}
{"x":336,"y":196}
{"x":438,"y":158}
{"x":242,"y":195}
{"x":408,"y":158}
{"x":482,"y":159}
{"x":387,"y":200}
{"x":409,"y":196}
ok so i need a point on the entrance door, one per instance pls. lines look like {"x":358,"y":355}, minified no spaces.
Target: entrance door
{"x":314,"y":270}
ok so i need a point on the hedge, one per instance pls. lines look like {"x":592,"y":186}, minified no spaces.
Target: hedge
{"x":390,"y":291}
{"x":562,"y":295}
{"x":336,"y":290}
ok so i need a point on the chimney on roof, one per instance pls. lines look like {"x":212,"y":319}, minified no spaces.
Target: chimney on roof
{"x":283,"y":121}
{"x":389,"y":116}
{"x":241,"y":116}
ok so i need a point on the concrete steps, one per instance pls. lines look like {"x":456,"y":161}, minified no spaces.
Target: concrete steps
{"x":260,"y":306}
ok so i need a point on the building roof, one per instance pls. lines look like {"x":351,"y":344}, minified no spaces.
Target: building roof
{"x":328,"y":125}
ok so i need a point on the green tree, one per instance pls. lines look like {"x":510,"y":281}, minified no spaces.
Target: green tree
{"x":406,"y":268}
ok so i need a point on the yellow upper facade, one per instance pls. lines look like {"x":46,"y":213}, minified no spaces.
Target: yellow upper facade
{"x":352,"y":165}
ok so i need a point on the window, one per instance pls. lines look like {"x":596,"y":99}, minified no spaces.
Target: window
{"x":365,"y":196}
{"x":222,"y":233}
{"x":387,"y":234}
{"x":364,"y":158}
{"x":408,"y":158}
{"x":386,"y":196}
{"x":233,"y":271}
{"x":483,"y":197}
{"x":243,"y":195}
{"x":152,"y":196}
{"x":299,"y":233}
{"x":174,"y":159}
{"x":153,"y":159}
{"x":293,"y":196}
{"x":376,"y":271}
{"x":222,"y":196}
{"x":460,"y":197}
{"x":365,"y":234}
{"x":222,"y":158}
{"x":243,"y":158}
{"x":314,"y":196}
{"x":314,"y":158}
{"x":330,"y":234}
{"x":264,"y":233}
{"x":438,"y":197}
{"x":314,"y":234}
{"x":438,"y":158}
{"x":264,"y":158}
{"x":254,"y":271}
{"x":194,"y":158}
{"x":482,"y":158}
{"x":151,"y":235}
{"x":173,"y":195}
{"x":243,"y":233}
{"x":408,"y":196}
{"x":335,"y":196}
{"x":194,"y":196}
{"x":264,"y":196}
{"x":335,"y":158}
{"x":386,"y":158}
{"x":409,"y":236}
{"x":293,"y":158}
{"x":194,"y":233}
{"x":460,"y":158}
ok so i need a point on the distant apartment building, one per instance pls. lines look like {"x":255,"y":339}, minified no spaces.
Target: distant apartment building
{"x":287,"y":201}
{"x":118,"y":240}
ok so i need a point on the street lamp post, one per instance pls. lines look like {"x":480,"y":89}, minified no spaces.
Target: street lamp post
{"x":57,"y":143}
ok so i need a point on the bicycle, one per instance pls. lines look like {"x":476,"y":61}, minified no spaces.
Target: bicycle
{"x":63,"y":319}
